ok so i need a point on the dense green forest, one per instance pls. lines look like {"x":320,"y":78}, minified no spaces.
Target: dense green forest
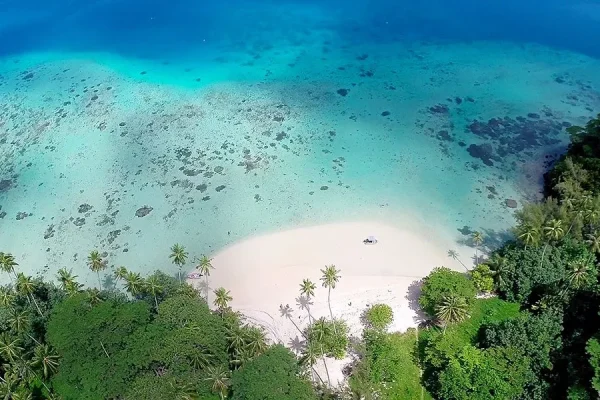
{"x":523,"y":324}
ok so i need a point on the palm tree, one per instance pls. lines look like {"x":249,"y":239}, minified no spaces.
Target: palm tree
{"x":499,"y":266}
{"x":552,"y":231}
{"x":120,"y":273}
{"x":9,"y":347}
{"x":26,"y":286}
{"x":477,"y":238}
{"x":222,"y":299}
{"x":66,"y":278}
{"x":593,"y":240}
{"x":73,"y":287}
{"x":186,"y":391}
{"x":579,"y":273}
{"x":256,"y":340}
{"x":20,"y":323}
{"x":93,"y":297}
{"x":96,"y":264}
{"x":154,"y":287}
{"x":9,"y":386}
{"x":454,"y":255}
{"x":204,"y":266}
{"x":452,"y":309}
{"x":179,"y":256}
{"x":45,"y":359}
{"x":529,"y":234}
{"x":219,"y":377}
{"x":7,"y":296}
{"x":201,"y":357}
{"x":310,"y":357}
{"x":321,"y":331}
{"x":134,"y":283}
{"x":307,"y":289}
{"x":329,"y":279}
{"x":8,"y":263}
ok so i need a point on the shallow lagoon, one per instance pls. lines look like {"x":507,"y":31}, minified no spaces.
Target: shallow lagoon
{"x":141,"y":129}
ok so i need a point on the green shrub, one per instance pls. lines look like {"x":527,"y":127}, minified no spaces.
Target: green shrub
{"x":328,"y":338}
{"x":483,"y":278}
{"x":379,"y":316}
{"x":441,"y":282}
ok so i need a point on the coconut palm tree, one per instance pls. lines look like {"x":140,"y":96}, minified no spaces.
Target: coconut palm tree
{"x":307,"y":289}
{"x":256,"y":340}
{"x":8,"y":263}
{"x":321,"y":331}
{"x":73,"y":287}
{"x":201,"y":358}
{"x":579,"y":273}
{"x":329,"y":279}
{"x":179,"y":257}
{"x":454,"y":255}
{"x":10,"y":347}
{"x":65,"y":278}
{"x":7,"y":296}
{"x":222,"y":299}
{"x":134,"y":283}
{"x":45,"y":359}
{"x":154,"y":287}
{"x":499,"y":267}
{"x":185,"y":391}
{"x":120,"y":273}
{"x":452,"y":308}
{"x":309,"y":358}
{"x":553,"y":231}
{"x":93,"y":297}
{"x":96,"y":264}
{"x":9,"y":386}
{"x":219,"y":377}
{"x":25,"y":285}
{"x":204,"y":266}
{"x":477,"y":238}
{"x":529,"y":235}
{"x":593,"y":240}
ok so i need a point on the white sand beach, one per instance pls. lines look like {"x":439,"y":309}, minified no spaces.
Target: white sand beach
{"x":265,"y":271}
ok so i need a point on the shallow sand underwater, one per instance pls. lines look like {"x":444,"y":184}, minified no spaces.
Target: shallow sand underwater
{"x":131,"y":156}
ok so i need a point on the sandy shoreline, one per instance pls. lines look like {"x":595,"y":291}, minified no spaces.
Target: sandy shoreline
{"x":265,"y":271}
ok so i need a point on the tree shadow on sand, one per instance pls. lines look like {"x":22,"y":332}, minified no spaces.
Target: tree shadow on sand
{"x":414,"y":291}
{"x":297,"y":345}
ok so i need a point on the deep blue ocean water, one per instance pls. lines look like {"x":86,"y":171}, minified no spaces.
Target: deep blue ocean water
{"x":158,"y":29}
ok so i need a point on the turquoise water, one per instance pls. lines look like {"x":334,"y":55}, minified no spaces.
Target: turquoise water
{"x":230,"y":120}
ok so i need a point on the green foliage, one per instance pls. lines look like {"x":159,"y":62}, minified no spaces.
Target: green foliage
{"x":442,"y":282}
{"x":379,"y":316}
{"x":483,"y":278}
{"x":581,"y":163}
{"x":537,"y":336}
{"x":328,"y":338}
{"x":274,"y":375}
{"x":93,"y":345}
{"x":526,"y":274}
{"x":474,"y":374}
{"x":391,"y":365}
{"x":593,"y":350}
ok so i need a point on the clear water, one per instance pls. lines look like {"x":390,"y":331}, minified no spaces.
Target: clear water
{"x":235,"y":118}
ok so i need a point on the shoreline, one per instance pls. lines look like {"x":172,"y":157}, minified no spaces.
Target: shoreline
{"x":264,"y":271}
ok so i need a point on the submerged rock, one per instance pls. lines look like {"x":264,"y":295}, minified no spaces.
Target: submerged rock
{"x":5,"y":184}
{"x":142,"y":212}
{"x":84,"y":208}
{"x":510,"y":203}
{"x":485,"y":152}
